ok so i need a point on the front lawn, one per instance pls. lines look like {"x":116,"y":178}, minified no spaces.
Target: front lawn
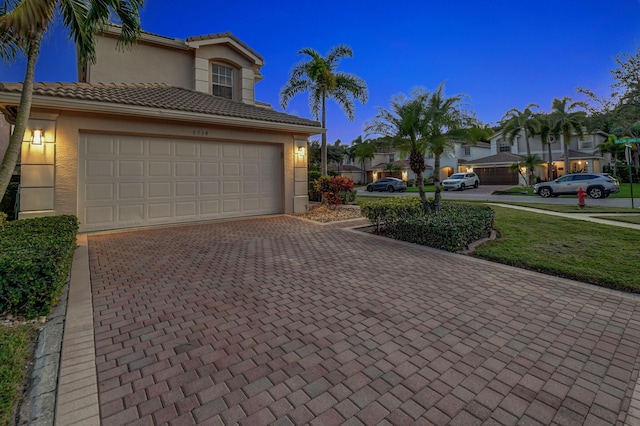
{"x":15,"y":352}
{"x":635,"y":219}
{"x":587,"y":252}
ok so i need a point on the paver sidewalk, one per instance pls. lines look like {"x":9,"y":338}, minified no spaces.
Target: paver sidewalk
{"x":282,"y":321}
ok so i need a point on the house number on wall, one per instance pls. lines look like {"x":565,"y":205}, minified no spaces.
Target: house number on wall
{"x":201,"y":132}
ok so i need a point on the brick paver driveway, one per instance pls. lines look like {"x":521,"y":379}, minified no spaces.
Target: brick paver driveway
{"x":280,"y":320}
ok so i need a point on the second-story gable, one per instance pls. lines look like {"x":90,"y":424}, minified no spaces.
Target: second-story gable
{"x":216,"y":64}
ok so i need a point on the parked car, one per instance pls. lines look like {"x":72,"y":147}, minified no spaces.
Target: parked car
{"x":597,"y":185}
{"x":387,"y":184}
{"x":461,"y":181}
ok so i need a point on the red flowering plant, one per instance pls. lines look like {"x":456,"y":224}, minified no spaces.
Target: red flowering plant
{"x":333,"y":190}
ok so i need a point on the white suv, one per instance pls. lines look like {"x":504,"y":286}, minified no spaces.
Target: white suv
{"x":461,"y":181}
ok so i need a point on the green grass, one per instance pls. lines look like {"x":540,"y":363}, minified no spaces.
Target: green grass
{"x":15,"y":352}
{"x":573,"y":208}
{"x":591,"y":253}
{"x":626,"y":219}
{"x":427,"y":188}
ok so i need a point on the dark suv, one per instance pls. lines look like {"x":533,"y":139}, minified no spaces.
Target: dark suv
{"x":597,"y":185}
{"x":387,"y":184}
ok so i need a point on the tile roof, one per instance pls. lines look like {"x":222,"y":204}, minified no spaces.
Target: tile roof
{"x":158,"y":95}
{"x":403,"y":164}
{"x":344,"y":168}
{"x":501,"y":157}
{"x":224,"y":35}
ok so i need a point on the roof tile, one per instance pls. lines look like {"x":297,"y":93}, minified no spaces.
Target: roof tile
{"x":161,"y":96}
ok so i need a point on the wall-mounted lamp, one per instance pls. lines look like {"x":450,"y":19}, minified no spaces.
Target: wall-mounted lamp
{"x":301,"y":151}
{"x":37,"y":136}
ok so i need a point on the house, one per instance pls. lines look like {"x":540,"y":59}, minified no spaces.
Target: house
{"x":584,"y":156}
{"x":391,"y":162}
{"x":167,"y":133}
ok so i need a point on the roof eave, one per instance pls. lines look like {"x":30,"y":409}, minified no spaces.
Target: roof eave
{"x":67,"y":104}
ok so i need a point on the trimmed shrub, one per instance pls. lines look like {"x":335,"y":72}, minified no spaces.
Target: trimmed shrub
{"x":452,"y":228}
{"x":388,"y":211}
{"x":332,"y":190}
{"x":8,"y":203}
{"x":35,"y":259}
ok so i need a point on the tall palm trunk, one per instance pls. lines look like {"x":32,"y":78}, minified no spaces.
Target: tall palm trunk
{"x":529,"y":171}
{"x":323,"y":146}
{"x":550,"y":161}
{"x":22,"y":118}
{"x":436,"y":182}
{"x":566,"y":152}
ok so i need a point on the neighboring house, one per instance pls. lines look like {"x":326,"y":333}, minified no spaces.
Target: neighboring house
{"x":393,"y":163}
{"x":347,"y":170}
{"x":167,"y":133}
{"x":584,"y":156}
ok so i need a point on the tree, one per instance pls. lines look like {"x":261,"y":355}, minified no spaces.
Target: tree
{"x":404,"y":123}
{"x":427,"y":122}
{"x":362,"y":150}
{"x":529,"y":162}
{"x":319,"y":77}
{"x":22,"y":26}
{"x":526,"y":120}
{"x":447,"y":121}
{"x":566,"y":122}
{"x":336,"y":153}
{"x":545,"y":125}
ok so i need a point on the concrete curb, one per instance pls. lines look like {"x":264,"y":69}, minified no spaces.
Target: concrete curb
{"x":38,"y":407}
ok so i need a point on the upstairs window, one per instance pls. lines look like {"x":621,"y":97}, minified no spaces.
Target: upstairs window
{"x":392,"y":158}
{"x":467,"y":151}
{"x":504,"y":146}
{"x":222,"y":79}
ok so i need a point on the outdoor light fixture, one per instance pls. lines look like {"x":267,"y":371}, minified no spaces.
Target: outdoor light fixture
{"x":301,"y":151}
{"x":37,"y":136}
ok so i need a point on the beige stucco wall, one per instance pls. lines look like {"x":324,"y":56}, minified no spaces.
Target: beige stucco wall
{"x":55,"y":181}
{"x":144,"y":64}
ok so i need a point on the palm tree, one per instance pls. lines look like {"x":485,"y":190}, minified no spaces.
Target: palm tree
{"x":428,"y":122}
{"x":525,"y":120}
{"x":405,"y":125}
{"x":529,"y":162}
{"x":319,"y":77}
{"x":566,"y":122}
{"x":22,"y":29}
{"x":446,"y":121}
{"x":545,"y":125}
{"x":363,"y":149}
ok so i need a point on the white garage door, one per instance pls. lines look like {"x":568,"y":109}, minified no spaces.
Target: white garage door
{"x":126,"y":181}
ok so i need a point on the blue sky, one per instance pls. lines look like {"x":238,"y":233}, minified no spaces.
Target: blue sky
{"x":503,"y":54}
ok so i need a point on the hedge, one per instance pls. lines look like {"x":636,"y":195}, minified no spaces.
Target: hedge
{"x":452,"y":228}
{"x":35,"y":260}
{"x":8,"y":202}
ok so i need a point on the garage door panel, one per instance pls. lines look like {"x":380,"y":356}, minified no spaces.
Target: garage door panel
{"x":159,"y":189}
{"x":231,"y":205}
{"x":189,"y":208}
{"x":99,"y":191}
{"x":209,"y":207}
{"x":186,"y":169}
{"x":186,"y":149}
{"x":209,"y":188}
{"x":127,"y":181}
{"x":209,"y":169}
{"x":185,"y":189}
{"x":131,"y":146}
{"x":159,"y":168}
{"x":130,"y":190}
{"x":230,"y":151}
{"x":131,"y":212}
{"x":130,"y":168}
{"x":231,"y":169}
{"x":99,"y":215}
{"x":99,"y":168}
{"x":159,"y":210}
{"x":160,"y":148}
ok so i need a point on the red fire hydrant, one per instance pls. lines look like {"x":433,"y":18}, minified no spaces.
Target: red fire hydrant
{"x":582,"y":195}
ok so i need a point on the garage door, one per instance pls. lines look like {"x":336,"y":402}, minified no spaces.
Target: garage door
{"x":496,"y":176}
{"x":128,"y":181}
